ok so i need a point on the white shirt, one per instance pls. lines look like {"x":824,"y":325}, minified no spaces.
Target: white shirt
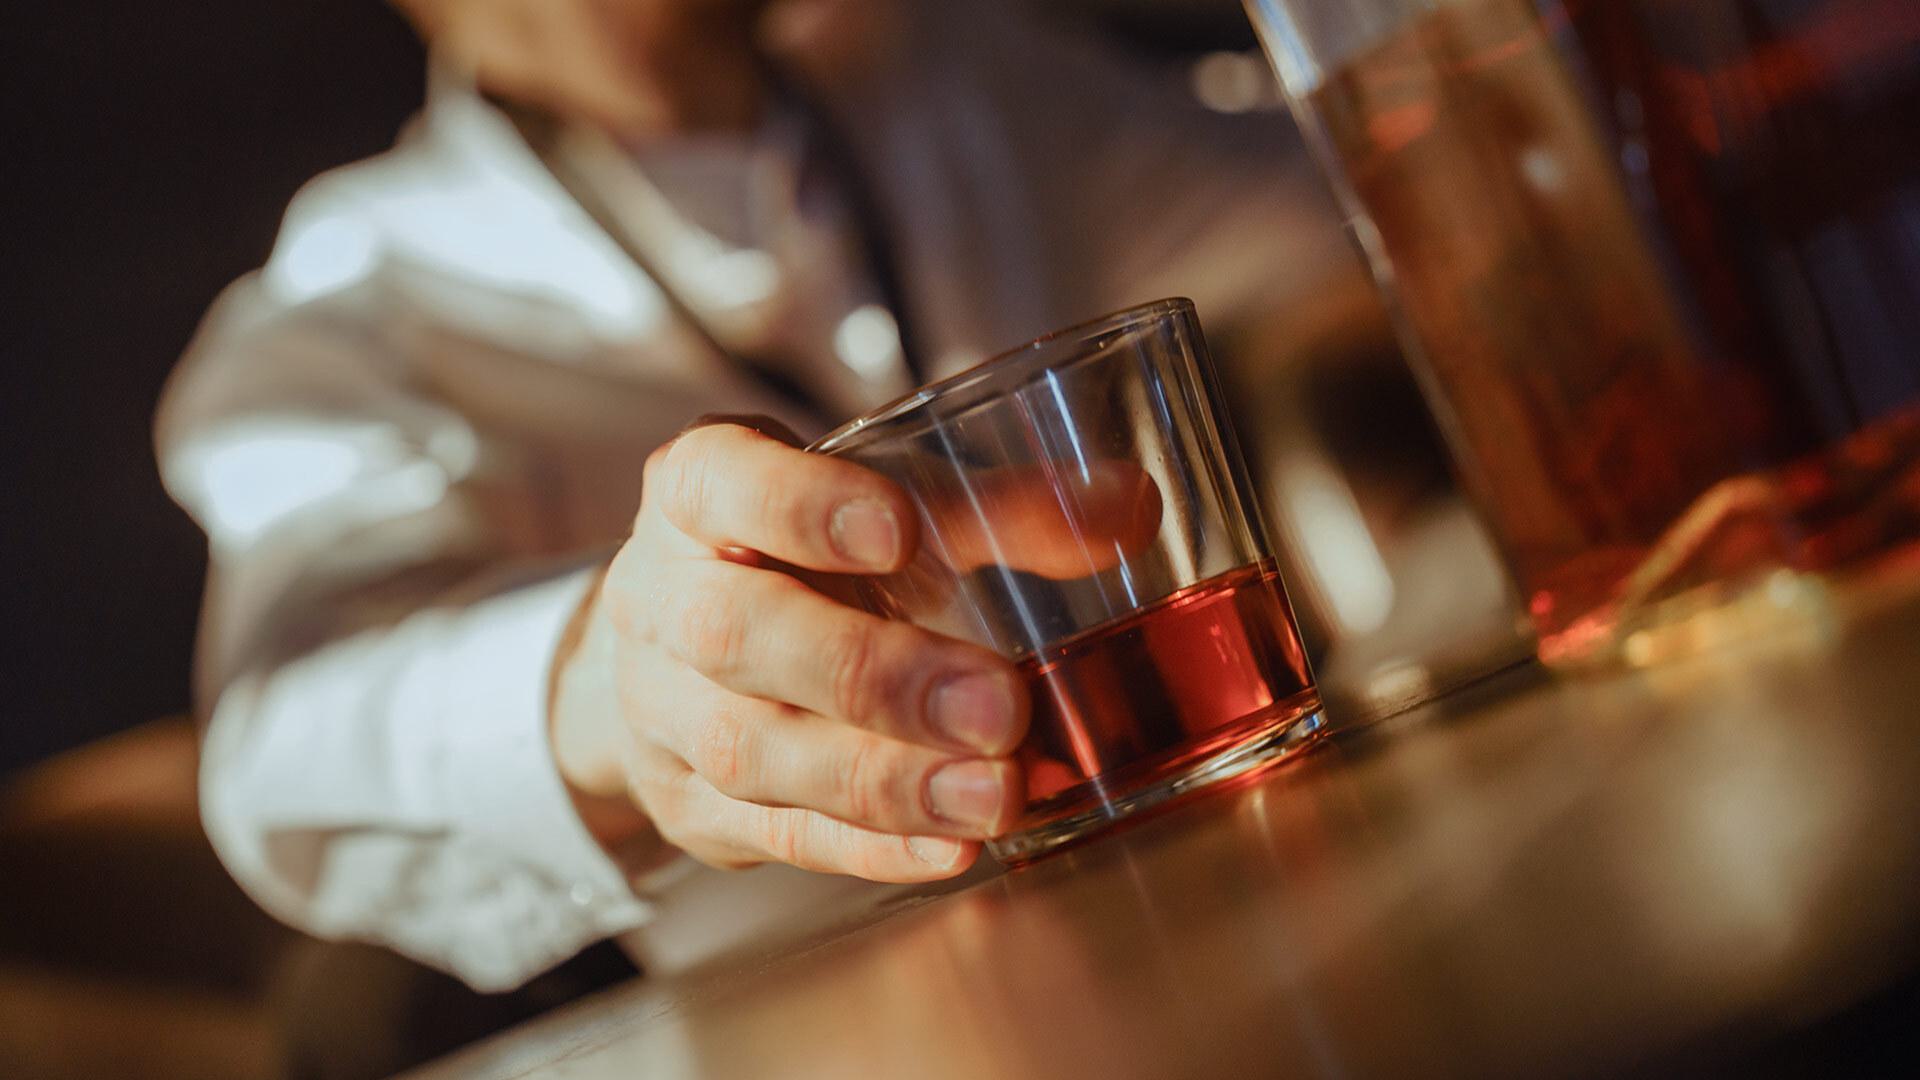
{"x":408,"y":434}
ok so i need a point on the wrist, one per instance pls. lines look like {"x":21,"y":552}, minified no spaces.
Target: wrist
{"x":583,"y":732}
{"x":582,"y":706}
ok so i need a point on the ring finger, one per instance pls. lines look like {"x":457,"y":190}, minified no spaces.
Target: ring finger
{"x":779,"y":756}
{"x":765,"y":634}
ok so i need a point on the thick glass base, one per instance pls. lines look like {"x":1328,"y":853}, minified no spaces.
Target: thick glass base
{"x":1262,"y":747}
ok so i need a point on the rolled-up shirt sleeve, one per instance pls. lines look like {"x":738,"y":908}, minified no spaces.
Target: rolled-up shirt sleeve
{"x":411,"y":439}
{"x":376,"y":647}
{"x":397,"y":786}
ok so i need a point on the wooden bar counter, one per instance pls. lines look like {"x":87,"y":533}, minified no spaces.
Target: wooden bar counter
{"x":1710,"y":867}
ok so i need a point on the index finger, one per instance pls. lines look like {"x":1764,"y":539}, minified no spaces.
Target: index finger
{"x":730,"y":486}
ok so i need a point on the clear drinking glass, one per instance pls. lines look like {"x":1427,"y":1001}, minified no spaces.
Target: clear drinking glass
{"x":1085,"y":512}
{"x":1658,"y":264}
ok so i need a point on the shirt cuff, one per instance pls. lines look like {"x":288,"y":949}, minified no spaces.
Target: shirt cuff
{"x":500,"y":782}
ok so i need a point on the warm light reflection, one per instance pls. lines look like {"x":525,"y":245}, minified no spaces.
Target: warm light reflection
{"x":1234,"y":82}
{"x":322,"y":257}
{"x":489,"y":228}
{"x":251,"y":477}
{"x":723,"y":278}
{"x":1339,"y":550}
{"x":868,"y":341}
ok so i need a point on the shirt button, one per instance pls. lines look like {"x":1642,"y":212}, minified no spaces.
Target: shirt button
{"x":581,"y":894}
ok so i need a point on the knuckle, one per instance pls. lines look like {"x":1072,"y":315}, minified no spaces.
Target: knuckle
{"x":722,"y":754}
{"x":851,"y":659}
{"x":681,"y":476}
{"x":782,"y":836}
{"x":785,"y":509}
{"x":653,"y":480}
{"x":708,"y":630}
{"x":868,"y":780}
{"x":667,"y":797}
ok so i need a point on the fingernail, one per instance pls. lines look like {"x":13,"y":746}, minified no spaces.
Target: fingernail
{"x":975,"y":709}
{"x":865,"y":532}
{"x":967,"y":793}
{"x":934,"y":850}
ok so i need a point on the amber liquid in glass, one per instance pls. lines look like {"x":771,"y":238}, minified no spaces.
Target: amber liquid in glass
{"x":1124,"y":705}
{"x":1660,"y":262}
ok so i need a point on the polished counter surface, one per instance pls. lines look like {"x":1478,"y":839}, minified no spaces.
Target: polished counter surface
{"x":1671,"y":870}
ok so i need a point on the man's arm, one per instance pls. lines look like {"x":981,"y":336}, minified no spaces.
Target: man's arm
{"x":376,"y":650}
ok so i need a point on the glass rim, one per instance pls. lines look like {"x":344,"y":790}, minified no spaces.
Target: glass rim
{"x":992,"y":374}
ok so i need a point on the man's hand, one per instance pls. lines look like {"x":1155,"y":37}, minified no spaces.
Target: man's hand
{"x":633,"y":67}
{"x":750,"y":717}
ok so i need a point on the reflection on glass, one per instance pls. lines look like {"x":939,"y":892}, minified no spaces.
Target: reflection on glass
{"x":1657,"y":263}
{"x":1084,"y":511}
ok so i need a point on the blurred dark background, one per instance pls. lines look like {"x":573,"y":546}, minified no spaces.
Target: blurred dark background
{"x":149,"y":152}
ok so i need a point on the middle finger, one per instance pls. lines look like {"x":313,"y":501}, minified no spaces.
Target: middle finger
{"x":777,"y":756}
{"x":765,"y":634}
